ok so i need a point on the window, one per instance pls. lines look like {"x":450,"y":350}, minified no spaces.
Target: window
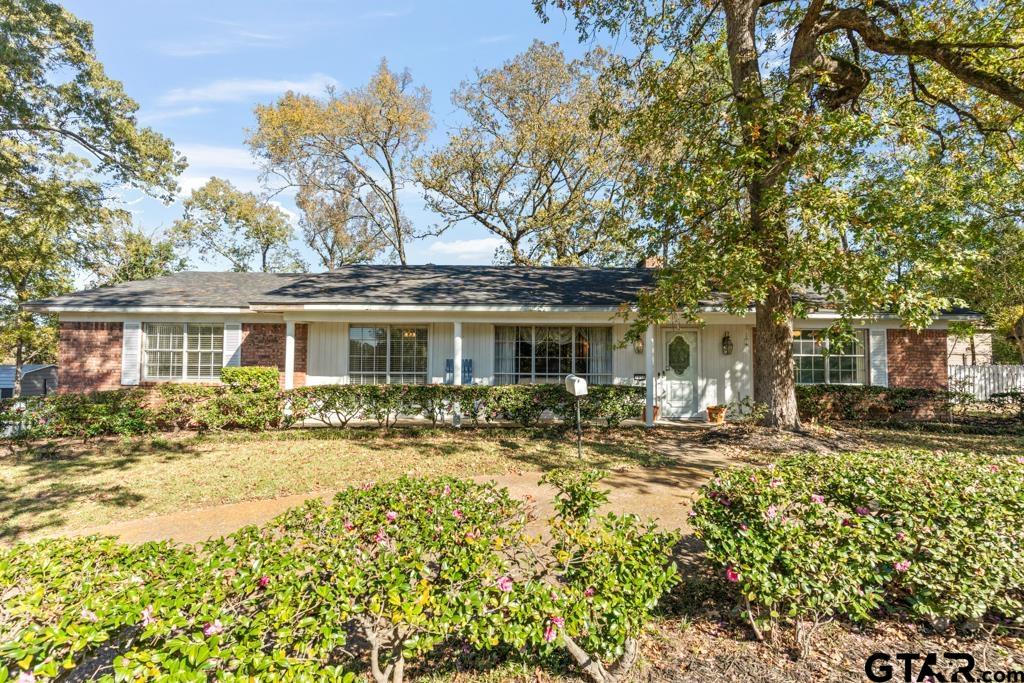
{"x":843,"y":363}
{"x":183,"y":351}
{"x":387,"y":355}
{"x":536,"y":354}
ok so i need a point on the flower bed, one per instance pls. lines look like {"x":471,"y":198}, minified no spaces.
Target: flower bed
{"x":405,"y":567}
{"x":938,"y":535}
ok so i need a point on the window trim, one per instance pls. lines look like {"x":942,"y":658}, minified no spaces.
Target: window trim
{"x":388,"y":327}
{"x":864,"y":369}
{"x":185,"y":352}
{"x":517,"y":377}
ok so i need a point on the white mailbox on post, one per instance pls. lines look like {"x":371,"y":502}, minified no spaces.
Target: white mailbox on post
{"x":577,"y":386}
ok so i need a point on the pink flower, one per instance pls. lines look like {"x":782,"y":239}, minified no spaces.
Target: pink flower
{"x":447,"y":490}
{"x":549,"y":633}
{"x":993,"y":468}
{"x":692,"y":513}
{"x":147,"y":617}
{"x":900,"y":536}
{"x":264,"y":581}
{"x":1020,"y":459}
{"x":504,"y":584}
{"x":391,"y":515}
{"x":213,"y":629}
{"x":817,"y":498}
{"x":772,"y":512}
{"x":775,"y":483}
{"x":847,"y":522}
{"x":589,"y":593}
{"x":743,"y":527}
{"x":558,"y":621}
{"x":26,"y":677}
{"x":458,"y":514}
{"x":861,"y":510}
{"x":89,"y":615}
{"x":348,"y":525}
{"x":380,"y":537}
{"x":902,"y":566}
{"x":724,"y":500}
{"x":732,"y":575}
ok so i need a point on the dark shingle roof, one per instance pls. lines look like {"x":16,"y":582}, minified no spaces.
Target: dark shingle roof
{"x":376,"y":285}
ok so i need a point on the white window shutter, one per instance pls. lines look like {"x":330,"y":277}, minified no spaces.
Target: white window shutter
{"x":131,"y":352}
{"x":879,"y":352}
{"x":232,"y":343}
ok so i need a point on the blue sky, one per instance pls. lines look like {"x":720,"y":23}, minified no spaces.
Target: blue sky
{"x":197,"y":70}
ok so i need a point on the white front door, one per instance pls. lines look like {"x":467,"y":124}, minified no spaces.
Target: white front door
{"x":679,"y":384}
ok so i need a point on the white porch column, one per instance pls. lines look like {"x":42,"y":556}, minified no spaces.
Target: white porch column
{"x":649,"y":369}
{"x":457,"y":352}
{"x":289,"y":355}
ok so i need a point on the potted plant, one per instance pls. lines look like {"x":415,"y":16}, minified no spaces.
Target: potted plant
{"x":716,"y":414}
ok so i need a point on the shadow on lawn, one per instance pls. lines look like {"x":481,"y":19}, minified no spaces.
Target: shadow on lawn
{"x":51,"y":475}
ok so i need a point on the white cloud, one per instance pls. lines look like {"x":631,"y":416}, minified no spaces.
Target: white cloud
{"x":386,"y":13}
{"x":165,"y":114}
{"x":474,"y":250}
{"x":230,"y":41}
{"x":240,"y":89}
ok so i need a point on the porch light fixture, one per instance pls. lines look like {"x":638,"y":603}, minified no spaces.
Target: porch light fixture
{"x":726,"y":345}
{"x":638,"y":346}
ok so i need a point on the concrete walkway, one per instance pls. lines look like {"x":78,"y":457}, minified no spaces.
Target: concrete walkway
{"x":662,"y":493}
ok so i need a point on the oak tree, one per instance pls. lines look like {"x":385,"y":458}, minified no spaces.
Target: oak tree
{"x":844,"y":148}
{"x":370,"y":135}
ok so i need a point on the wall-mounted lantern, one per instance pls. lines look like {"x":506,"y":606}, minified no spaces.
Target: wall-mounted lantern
{"x":638,"y":346}
{"x":726,"y":345}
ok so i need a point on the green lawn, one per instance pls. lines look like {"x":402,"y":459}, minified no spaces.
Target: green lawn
{"x":51,"y":488}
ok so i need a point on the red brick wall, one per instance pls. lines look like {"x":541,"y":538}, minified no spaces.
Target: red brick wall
{"x":917,"y":359}
{"x":263,"y":344}
{"x":89,"y":356}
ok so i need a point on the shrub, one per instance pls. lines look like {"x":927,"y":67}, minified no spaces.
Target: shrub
{"x":831,"y":402}
{"x":250,"y":378}
{"x":184,"y":406}
{"x":406,"y":565}
{"x":1010,"y":399}
{"x":331,"y":404}
{"x":938,"y":534}
{"x":83,"y":416}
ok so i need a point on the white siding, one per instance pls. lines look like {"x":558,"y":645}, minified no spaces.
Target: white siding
{"x":626,"y":362}
{"x":725,"y":378}
{"x":131,"y":352}
{"x":478,"y":345}
{"x":327,"y":360}
{"x":441,"y":344}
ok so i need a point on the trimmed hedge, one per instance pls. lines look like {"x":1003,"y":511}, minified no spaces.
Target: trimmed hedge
{"x":249,"y":398}
{"x":386,"y":574}
{"x":940,"y":535}
{"x":836,"y":402}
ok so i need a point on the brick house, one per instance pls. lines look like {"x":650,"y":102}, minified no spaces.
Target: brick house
{"x":417,"y":324}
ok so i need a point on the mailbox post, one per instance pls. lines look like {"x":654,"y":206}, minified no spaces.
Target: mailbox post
{"x":577,"y":387}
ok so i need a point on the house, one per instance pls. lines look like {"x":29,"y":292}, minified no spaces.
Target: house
{"x":417,"y":324}
{"x":36,"y":380}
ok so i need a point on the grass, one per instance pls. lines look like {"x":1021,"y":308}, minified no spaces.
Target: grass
{"x":53,"y":488}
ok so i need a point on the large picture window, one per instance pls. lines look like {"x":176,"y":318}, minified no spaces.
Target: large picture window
{"x":183,"y":351}
{"x":542,"y":354}
{"x":387,"y":354}
{"x":816,"y":360}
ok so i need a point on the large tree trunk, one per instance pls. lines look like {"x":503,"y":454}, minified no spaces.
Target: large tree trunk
{"x":774,"y":386}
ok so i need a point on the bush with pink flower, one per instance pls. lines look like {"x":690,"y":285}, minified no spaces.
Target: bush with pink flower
{"x":409,"y":566}
{"x":939,"y":536}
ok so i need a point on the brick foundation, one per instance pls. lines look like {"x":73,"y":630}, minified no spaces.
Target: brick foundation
{"x":917,"y":359}
{"x":89,"y":357}
{"x":263,"y":344}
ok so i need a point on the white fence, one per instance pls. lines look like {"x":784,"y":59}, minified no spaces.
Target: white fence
{"x":985,"y":380}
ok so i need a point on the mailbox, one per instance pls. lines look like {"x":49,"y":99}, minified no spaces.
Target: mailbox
{"x":577,"y":386}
